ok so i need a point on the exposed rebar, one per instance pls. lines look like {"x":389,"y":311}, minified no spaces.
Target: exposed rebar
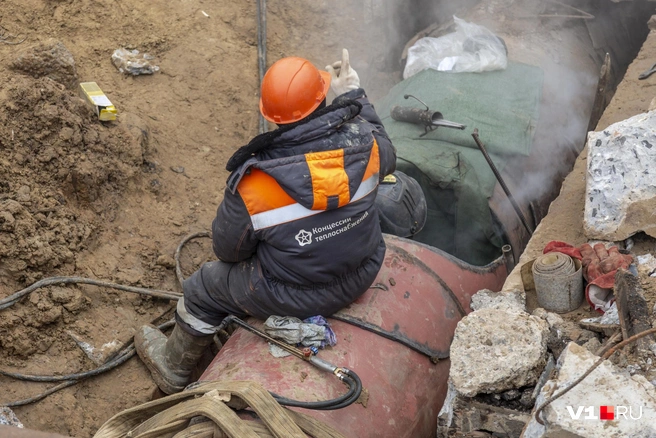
{"x":608,"y":354}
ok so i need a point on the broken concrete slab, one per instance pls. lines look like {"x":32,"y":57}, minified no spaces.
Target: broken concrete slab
{"x":629,"y":401}
{"x":463,"y":415}
{"x":505,"y":300}
{"x":495,"y":350}
{"x":620,"y":192}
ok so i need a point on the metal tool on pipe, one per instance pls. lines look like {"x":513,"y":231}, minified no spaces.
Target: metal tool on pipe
{"x":305,"y":354}
{"x":429,"y":119}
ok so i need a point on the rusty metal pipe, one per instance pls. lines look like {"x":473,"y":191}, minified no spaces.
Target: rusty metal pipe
{"x":508,"y":257}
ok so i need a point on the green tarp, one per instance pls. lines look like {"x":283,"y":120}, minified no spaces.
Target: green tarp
{"x":504,"y":107}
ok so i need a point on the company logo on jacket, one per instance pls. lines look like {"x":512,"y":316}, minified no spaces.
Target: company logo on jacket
{"x":303,"y":238}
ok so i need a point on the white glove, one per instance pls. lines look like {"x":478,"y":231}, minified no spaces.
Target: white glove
{"x":343,"y":77}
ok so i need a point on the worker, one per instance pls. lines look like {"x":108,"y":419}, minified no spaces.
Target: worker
{"x":297,"y":233}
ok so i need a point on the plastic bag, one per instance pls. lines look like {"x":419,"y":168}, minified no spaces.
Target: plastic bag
{"x":133,"y":63}
{"x":471,"y":48}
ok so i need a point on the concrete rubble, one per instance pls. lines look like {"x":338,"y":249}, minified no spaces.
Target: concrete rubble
{"x":621,"y":195}
{"x":562,"y":332}
{"x":508,"y":300}
{"x":8,"y":418}
{"x":496,"y":350}
{"x":632,"y":401}
{"x":468,"y":415}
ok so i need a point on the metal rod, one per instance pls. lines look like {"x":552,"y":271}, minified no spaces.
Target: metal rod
{"x":448,"y":124}
{"x":261,"y":52}
{"x":289,"y":348}
{"x":406,"y":96}
{"x":481,"y":146}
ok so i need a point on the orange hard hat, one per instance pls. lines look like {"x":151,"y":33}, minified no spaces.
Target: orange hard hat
{"x":291,"y":89}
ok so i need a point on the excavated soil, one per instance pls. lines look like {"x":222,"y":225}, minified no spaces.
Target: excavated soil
{"x":113,"y":200}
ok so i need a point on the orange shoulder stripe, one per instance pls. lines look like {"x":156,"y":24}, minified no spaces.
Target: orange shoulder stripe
{"x":262,"y":192}
{"x":329,"y":178}
{"x":373,"y":166}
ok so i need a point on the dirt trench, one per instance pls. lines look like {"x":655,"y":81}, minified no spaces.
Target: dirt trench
{"x":112,"y":201}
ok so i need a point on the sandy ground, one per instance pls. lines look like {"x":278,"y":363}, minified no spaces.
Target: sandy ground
{"x":112,"y":201}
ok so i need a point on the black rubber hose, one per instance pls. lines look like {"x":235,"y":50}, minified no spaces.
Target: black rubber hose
{"x":14,"y":298}
{"x":38,"y":397}
{"x":355,"y":389}
{"x":351,"y":378}
{"x":178,"y":251}
{"x":119,"y":359}
{"x":356,"y":396}
{"x":127,"y":354}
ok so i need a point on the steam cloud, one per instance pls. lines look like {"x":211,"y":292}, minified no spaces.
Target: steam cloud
{"x":565,"y":49}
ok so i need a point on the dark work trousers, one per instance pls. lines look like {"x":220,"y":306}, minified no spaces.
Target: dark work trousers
{"x":219,"y":289}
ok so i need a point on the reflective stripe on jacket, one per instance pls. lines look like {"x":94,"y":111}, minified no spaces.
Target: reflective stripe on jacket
{"x":303,"y":201}
{"x":269,"y":204}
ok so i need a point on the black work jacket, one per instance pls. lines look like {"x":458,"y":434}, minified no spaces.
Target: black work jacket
{"x":301,"y":198}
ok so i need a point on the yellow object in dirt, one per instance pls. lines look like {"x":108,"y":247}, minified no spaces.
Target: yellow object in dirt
{"x":92,"y":93}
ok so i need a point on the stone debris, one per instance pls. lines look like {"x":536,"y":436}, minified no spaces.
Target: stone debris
{"x":562,"y":332}
{"x":647,"y":265}
{"x":471,"y":417}
{"x":497,"y":350}
{"x":8,"y":418}
{"x":623,"y":396}
{"x":620,"y":194}
{"x":505,"y":300}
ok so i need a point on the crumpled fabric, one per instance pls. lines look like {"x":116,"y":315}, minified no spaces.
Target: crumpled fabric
{"x":599,"y":268}
{"x":330,"y":338}
{"x":600,"y":264}
{"x":565,"y":248}
{"x":295,"y":332}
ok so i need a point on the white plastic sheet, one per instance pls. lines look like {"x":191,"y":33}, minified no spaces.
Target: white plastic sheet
{"x":471,"y":48}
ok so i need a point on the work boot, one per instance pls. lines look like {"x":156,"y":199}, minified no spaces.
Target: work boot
{"x":170,"y":361}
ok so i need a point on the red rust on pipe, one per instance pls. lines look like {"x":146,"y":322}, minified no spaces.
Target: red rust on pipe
{"x":15,"y":432}
{"x":419,"y":294}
